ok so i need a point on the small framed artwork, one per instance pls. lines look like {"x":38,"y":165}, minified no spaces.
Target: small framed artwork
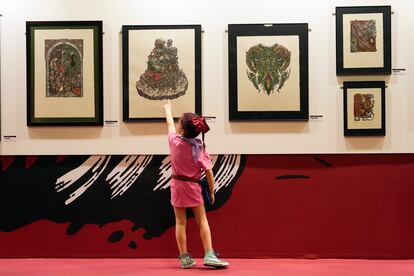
{"x":160,"y":63}
{"x":268,"y":71}
{"x":364,"y":108}
{"x":363,"y":40}
{"x":64,"y":73}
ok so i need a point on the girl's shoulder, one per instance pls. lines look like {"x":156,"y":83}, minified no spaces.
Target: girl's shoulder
{"x":175,"y":139}
{"x":172,"y":135}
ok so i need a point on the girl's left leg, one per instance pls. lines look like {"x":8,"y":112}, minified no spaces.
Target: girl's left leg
{"x":210,"y":257}
{"x":201,"y":219}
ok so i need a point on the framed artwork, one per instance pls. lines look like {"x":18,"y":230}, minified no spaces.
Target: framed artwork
{"x":363,"y":40}
{"x":64,"y":73}
{"x":160,"y":63}
{"x":364,"y":108}
{"x":268,"y":71}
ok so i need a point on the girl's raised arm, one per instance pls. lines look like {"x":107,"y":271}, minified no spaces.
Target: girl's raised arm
{"x":169,"y":118}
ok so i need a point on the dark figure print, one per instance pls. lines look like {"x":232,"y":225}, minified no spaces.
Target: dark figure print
{"x":268,"y":67}
{"x":364,"y":107}
{"x":363,"y":36}
{"x":163,"y":79}
{"x":64,"y":74}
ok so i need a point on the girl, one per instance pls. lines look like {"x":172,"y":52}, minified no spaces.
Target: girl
{"x":188,"y":158}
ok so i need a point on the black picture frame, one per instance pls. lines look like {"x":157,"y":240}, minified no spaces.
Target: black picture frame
{"x":236,"y":31}
{"x":363,"y":110}
{"x":95,"y":98}
{"x":126,"y":52}
{"x":347,"y":61}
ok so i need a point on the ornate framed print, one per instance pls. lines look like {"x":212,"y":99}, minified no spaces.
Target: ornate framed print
{"x":268,"y":71}
{"x":160,"y":63}
{"x":363,"y":40}
{"x":64,"y":73}
{"x":364,"y":108}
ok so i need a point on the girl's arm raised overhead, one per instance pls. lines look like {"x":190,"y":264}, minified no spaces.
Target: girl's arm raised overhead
{"x":169,"y":118}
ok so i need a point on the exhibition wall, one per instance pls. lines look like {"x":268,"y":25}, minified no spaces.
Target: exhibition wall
{"x":297,"y":189}
{"x":323,"y":135}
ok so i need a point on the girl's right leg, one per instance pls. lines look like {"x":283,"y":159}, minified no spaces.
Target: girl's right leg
{"x":180,"y":235}
{"x":180,"y":227}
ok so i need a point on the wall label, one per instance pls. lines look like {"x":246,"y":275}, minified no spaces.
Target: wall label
{"x":316,"y":118}
{"x":399,"y":71}
{"x":210,"y":119}
{"x":111,"y":123}
{"x":9,"y":138}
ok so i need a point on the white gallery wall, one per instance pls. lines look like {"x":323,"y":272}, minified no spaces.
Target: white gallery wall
{"x":325,"y":94}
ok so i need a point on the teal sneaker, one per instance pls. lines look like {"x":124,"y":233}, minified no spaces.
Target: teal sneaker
{"x":211,"y":259}
{"x":186,"y":260}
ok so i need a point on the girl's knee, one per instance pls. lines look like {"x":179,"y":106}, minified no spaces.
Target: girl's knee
{"x":202,"y":221}
{"x":180,"y":222}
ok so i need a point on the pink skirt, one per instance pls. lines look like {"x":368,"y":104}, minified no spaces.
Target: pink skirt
{"x":185,"y":194}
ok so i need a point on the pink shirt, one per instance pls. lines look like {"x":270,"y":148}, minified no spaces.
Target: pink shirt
{"x":185,"y":193}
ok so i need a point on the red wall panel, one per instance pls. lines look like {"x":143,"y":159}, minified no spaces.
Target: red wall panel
{"x":326,"y":206}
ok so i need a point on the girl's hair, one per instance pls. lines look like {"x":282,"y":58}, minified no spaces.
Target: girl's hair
{"x":189,"y":128}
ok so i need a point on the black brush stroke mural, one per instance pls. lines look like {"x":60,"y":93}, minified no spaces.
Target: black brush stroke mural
{"x":99,"y":190}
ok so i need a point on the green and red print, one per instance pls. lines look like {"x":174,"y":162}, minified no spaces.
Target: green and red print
{"x":268,"y":67}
